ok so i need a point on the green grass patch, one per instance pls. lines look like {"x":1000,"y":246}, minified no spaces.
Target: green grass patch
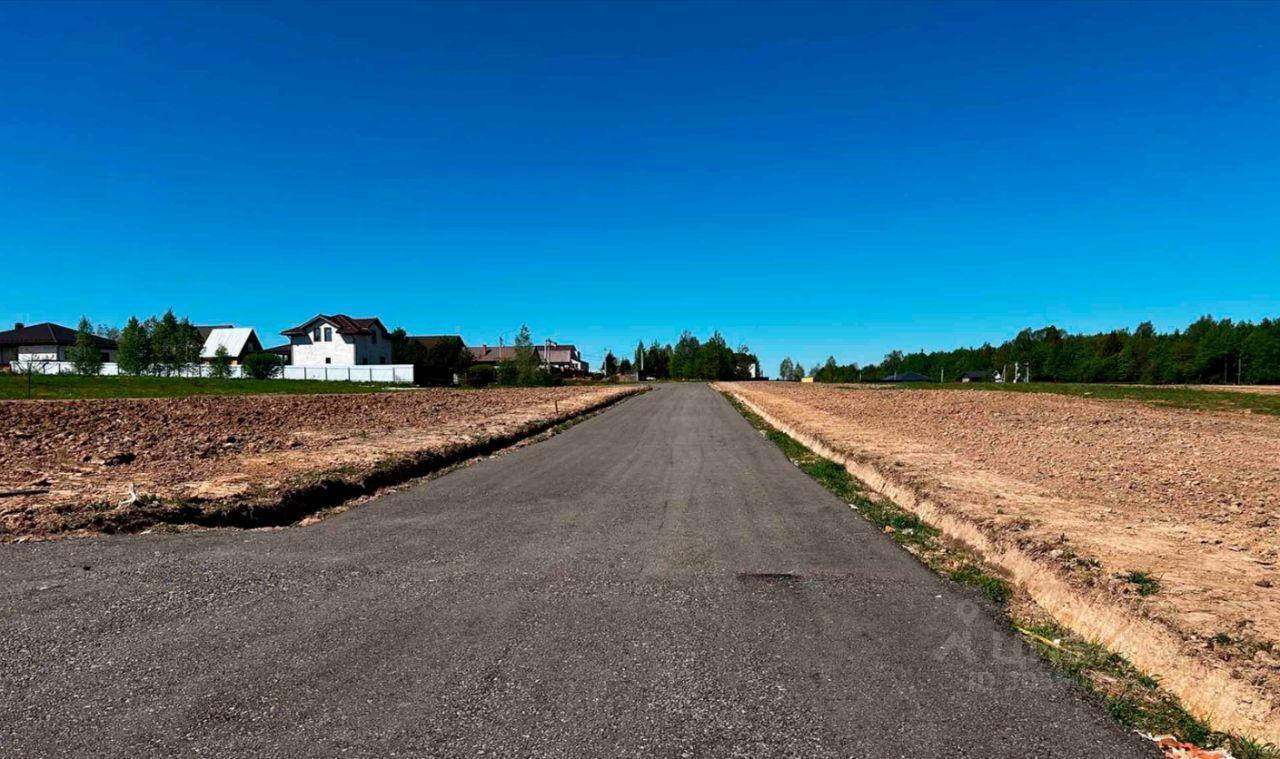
{"x":1145,"y":583}
{"x":1130,"y":696}
{"x":14,"y":387}
{"x":1133,"y":698}
{"x":1201,"y":399}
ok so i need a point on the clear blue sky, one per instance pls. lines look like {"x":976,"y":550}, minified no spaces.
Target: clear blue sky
{"x":811,"y":179}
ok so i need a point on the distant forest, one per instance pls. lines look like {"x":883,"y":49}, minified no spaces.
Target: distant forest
{"x":689,"y":359}
{"x":1208,"y":351}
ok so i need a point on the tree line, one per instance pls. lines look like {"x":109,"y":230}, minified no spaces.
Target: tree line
{"x":1208,"y":351}
{"x":159,"y":345}
{"x":688,"y":359}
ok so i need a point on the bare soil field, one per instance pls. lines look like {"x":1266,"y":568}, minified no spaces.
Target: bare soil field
{"x":111,"y":465}
{"x":1152,"y":530}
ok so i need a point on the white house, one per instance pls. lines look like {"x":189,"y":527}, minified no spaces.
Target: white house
{"x":45,"y":342}
{"x":239,"y":342}
{"x":339,"y":340}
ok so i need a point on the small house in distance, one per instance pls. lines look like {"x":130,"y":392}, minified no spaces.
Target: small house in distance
{"x":45,"y":342}
{"x":906,"y":377}
{"x":239,"y":342}
{"x":975,"y":377}
{"x":561,"y":358}
{"x":339,"y":339}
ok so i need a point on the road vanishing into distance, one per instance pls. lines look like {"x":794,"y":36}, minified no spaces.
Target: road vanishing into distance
{"x":656,"y":581}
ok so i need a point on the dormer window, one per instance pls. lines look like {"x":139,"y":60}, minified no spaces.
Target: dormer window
{"x":328,"y":334}
{"x":315,"y":335}
{"x":374,"y":336}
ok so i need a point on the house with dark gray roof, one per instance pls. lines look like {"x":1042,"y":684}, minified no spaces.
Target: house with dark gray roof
{"x":45,"y":342}
{"x":558,"y":357}
{"x":339,"y":339}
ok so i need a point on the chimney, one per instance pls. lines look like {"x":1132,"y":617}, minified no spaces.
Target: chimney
{"x":18,"y":325}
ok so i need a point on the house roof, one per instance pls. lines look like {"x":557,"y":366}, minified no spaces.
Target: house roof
{"x":430,"y":341}
{"x":205,"y":329}
{"x":47,"y":333}
{"x":486,"y":353}
{"x":280,"y":350}
{"x":975,"y":375}
{"x":345,"y":325}
{"x":234,"y":339}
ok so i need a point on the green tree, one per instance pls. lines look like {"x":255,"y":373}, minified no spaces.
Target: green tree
{"x":715,"y":359}
{"x":164,"y":343}
{"x":528,"y":371}
{"x":684,"y":359}
{"x":188,"y":344}
{"x":220,"y":366}
{"x":657,"y":361}
{"x":86,"y":356}
{"x":786,"y":369}
{"x":745,"y":364}
{"x":610,"y":364}
{"x":134,"y":353}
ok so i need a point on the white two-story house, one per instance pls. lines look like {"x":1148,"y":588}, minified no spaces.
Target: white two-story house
{"x":339,"y":340}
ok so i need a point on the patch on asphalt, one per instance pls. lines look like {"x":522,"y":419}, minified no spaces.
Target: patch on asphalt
{"x":768,"y":578}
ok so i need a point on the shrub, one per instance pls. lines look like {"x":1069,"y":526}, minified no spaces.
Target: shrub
{"x":481,"y":375}
{"x":508,"y":373}
{"x":262,"y":365}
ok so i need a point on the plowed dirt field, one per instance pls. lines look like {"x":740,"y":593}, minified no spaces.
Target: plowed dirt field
{"x":1171,"y":516}
{"x":66,"y":466}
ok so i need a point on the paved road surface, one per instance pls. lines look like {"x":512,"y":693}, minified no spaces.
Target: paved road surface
{"x":607,"y":592}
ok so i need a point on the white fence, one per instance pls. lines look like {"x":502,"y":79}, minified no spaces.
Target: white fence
{"x":348,"y":373}
{"x":395,"y":373}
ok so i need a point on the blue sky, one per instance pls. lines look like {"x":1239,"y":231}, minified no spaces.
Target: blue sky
{"x":810,"y":179}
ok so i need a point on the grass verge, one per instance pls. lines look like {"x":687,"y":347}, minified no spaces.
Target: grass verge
{"x":1133,"y":698}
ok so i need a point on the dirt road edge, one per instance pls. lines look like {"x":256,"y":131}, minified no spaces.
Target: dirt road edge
{"x":1208,"y":693}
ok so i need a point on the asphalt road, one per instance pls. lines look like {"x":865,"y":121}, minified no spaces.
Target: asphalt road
{"x":656,"y":581}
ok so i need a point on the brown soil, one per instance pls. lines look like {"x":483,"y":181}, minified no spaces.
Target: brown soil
{"x":1092,"y":490}
{"x":66,"y":465}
